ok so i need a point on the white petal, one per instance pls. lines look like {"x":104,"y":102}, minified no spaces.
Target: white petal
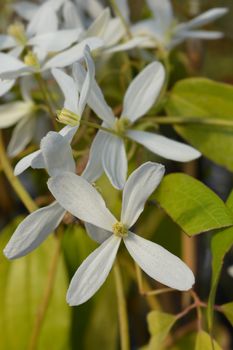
{"x":93,"y":272}
{"x":128,"y":45}
{"x":162,"y":11}
{"x":69,"y":89}
{"x":82,"y":200}
{"x":92,"y":7}
{"x":22,"y":135}
{"x":124,"y":9}
{"x":25,"y":163}
{"x":94,"y":168}
{"x":73,"y":54}
{"x":203,"y":19}
{"x":164,"y":147}
{"x":56,"y":41}
{"x":11,"y":113}
{"x":9,"y":63}
{"x":88,"y":81}
{"x":95,"y":99}
{"x":5,"y":86}
{"x":97,"y":234}
{"x":57,"y":154}
{"x":200,"y":34}
{"x":114,"y":32}
{"x":25,"y":9}
{"x":44,"y":20}
{"x":98,"y":27}
{"x":33,"y":230}
{"x":159,"y":263}
{"x":68,"y":132}
{"x":114,"y":160}
{"x":71,"y":15}
{"x":143,"y":91}
{"x":139,"y":186}
{"x":7,"y":42}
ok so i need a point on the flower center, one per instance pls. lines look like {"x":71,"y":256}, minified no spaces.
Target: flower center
{"x":121,"y":125}
{"x":120,"y":230}
{"x":65,"y":116}
{"x":18,"y":32}
{"x":31,"y":59}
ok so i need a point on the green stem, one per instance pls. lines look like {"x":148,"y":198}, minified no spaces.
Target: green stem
{"x":190,"y":120}
{"x":97,"y":126}
{"x":14,"y":181}
{"x":119,"y":14}
{"x":122,"y":309}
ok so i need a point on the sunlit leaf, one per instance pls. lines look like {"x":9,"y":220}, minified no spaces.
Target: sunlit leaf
{"x":228,"y":311}
{"x":203,"y":341}
{"x":220,"y":244}
{"x":198,"y":97}
{"x":22,"y":289}
{"x":192,"y":205}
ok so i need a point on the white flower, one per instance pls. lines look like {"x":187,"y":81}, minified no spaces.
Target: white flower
{"x":164,"y":29}
{"x":77,"y":196}
{"x":107,"y":151}
{"x":12,"y":67}
{"x":74,"y":103}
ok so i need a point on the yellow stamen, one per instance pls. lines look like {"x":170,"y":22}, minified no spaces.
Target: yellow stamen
{"x":120,"y":230}
{"x":67,"y":117}
{"x":17,"y":30}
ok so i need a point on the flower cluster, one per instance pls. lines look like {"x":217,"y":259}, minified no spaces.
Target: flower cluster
{"x":57,"y":41}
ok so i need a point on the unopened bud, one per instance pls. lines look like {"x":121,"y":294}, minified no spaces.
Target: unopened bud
{"x":65,"y":116}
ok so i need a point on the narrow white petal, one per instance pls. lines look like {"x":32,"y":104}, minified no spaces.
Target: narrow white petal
{"x":88,"y":81}
{"x":44,"y":20}
{"x":33,"y":230}
{"x":162,"y":11}
{"x":26,"y":9}
{"x":71,"y":15}
{"x":124,"y":9}
{"x":159,"y":263}
{"x":98,"y":27}
{"x":128,"y":45}
{"x":56,"y":41}
{"x":7,"y":42}
{"x":114,"y":32}
{"x":204,"y":18}
{"x":73,"y":54}
{"x":5,"y":86}
{"x":200,"y":34}
{"x":94,"y":168}
{"x":22,"y":135}
{"x":69,"y":89}
{"x":139,"y":186}
{"x":95,"y":99}
{"x":93,"y":272}
{"x":57,"y":154}
{"x":93,"y":7}
{"x":82,"y":200}
{"x":25,"y":163}
{"x":97,"y":234}
{"x":143,"y":91}
{"x":11,"y":113}
{"x":10,"y":63}
{"x":164,"y":147}
{"x":68,"y":132}
{"x":114,"y":160}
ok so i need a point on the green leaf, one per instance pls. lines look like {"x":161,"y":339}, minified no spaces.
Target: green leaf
{"x":227,"y":309}
{"x":198,"y":97}
{"x":192,"y":205}
{"x":203,"y":342}
{"x":22,"y":287}
{"x":159,"y":324}
{"x":221,"y":243}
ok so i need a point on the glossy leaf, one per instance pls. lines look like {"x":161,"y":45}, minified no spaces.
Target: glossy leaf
{"x":221,"y":243}
{"x":192,"y":205}
{"x":22,"y":287}
{"x":203,"y":341}
{"x":198,"y":97}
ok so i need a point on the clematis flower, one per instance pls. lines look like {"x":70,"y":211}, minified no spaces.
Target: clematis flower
{"x":107,"y":152}
{"x":163,"y":29}
{"x":74,"y":104}
{"x":77,"y":196}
